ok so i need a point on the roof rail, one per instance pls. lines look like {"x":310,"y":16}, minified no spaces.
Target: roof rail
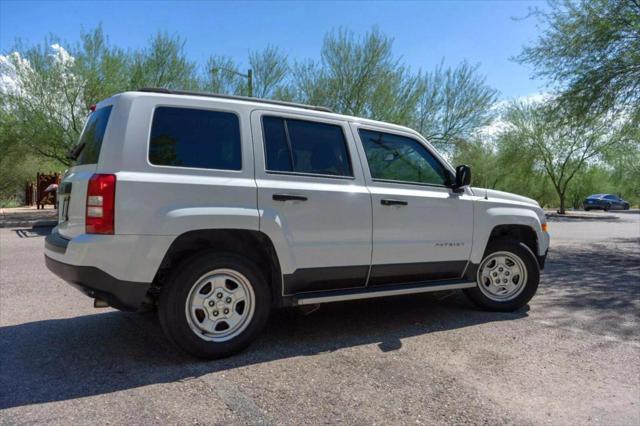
{"x":240,"y":98}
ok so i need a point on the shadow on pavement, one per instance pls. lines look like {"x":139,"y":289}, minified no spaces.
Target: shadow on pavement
{"x":63,"y":359}
{"x":36,"y":231}
{"x":600,"y":282}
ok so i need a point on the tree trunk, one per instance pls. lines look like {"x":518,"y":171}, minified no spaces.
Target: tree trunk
{"x":561,"y":210}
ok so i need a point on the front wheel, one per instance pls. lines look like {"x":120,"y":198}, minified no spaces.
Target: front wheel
{"x":214,"y":304}
{"x":507,"y":277}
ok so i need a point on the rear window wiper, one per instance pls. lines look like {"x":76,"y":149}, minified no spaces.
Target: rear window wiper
{"x":73,"y":153}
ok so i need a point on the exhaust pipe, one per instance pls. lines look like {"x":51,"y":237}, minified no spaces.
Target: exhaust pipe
{"x":99,"y":303}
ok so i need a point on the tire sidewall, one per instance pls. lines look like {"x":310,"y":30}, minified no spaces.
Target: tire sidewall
{"x":533,"y":278}
{"x":173,"y":297}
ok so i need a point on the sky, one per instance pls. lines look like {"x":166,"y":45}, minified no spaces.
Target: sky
{"x":425,"y":33}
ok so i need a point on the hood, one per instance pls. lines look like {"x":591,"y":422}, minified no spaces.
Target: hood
{"x":501,"y":195}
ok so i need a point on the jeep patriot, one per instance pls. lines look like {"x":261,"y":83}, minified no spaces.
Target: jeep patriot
{"x":216,"y":209}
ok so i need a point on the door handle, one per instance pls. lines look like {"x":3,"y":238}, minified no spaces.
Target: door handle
{"x":388,"y":202}
{"x":288,"y":197}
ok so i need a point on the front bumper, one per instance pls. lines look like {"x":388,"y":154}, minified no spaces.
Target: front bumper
{"x":542,"y":259}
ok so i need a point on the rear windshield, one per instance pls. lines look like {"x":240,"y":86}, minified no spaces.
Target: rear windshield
{"x":92,"y":136}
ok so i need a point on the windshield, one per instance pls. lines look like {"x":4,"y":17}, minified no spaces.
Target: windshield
{"x":88,"y":148}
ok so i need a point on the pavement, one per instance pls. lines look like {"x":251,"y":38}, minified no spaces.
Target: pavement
{"x":571,"y":357}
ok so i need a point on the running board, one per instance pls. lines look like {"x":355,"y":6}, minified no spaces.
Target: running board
{"x":371,"y":292}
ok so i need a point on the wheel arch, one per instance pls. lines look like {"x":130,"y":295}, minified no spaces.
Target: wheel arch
{"x":522,"y":233}
{"x":254,"y":245}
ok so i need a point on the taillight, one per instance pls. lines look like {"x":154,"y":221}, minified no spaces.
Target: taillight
{"x":101,"y":196}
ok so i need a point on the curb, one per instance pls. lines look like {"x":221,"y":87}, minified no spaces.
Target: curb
{"x":580,"y":216}
{"x":42,"y":223}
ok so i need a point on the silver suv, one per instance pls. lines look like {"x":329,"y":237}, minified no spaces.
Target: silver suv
{"x":217,"y":209}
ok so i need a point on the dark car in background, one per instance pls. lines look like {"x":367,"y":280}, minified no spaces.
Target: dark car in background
{"x":604,"y":202}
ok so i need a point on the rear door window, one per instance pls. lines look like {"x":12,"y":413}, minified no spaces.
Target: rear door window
{"x":306,"y":147}
{"x":92,"y":136}
{"x":186,"y":137}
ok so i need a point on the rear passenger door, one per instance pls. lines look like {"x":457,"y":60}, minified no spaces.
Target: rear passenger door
{"x":312,"y":200}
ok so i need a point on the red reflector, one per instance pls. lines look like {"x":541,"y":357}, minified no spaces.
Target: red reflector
{"x":92,"y":108}
{"x":100,"y":211}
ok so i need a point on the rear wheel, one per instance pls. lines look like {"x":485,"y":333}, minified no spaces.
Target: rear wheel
{"x":214,"y":304}
{"x":507,"y":277}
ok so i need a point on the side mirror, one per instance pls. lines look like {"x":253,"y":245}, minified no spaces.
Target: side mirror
{"x":463,"y":177}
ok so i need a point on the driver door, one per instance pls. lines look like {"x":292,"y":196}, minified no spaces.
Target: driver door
{"x":422,"y":229}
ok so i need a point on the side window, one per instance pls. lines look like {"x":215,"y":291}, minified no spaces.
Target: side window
{"x":398,"y":158}
{"x":187,"y":137}
{"x":305,"y":147}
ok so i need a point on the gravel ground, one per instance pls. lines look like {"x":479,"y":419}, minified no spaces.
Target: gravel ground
{"x":571,"y":357}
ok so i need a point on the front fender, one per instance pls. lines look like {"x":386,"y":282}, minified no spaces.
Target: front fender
{"x":486,"y":220}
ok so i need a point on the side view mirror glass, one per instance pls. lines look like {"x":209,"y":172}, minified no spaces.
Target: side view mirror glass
{"x":463,"y":176}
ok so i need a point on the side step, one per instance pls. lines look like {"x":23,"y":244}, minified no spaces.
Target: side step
{"x":371,"y":292}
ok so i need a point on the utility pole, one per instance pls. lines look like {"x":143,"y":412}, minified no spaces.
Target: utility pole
{"x":248,"y":76}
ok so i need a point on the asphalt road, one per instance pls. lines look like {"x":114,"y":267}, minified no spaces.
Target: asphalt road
{"x":571,"y":357}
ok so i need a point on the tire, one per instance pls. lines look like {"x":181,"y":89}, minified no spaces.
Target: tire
{"x":607,"y":207}
{"x":586,"y":209}
{"x":509,"y":251}
{"x":185,"y":310}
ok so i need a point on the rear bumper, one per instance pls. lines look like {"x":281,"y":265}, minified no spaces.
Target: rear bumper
{"x":93,"y":282}
{"x":129,"y":258}
{"x":118,"y":269}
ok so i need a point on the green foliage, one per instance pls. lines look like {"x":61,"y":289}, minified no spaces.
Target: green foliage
{"x":453,"y":104}
{"x":558,"y":146}
{"x":105,"y":69}
{"x":591,"y":50}
{"x":270,"y":68}
{"x":359,"y":77}
{"x":163,"y":64}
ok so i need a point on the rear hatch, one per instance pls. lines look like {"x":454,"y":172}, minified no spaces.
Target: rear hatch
{"x":72,"y":194}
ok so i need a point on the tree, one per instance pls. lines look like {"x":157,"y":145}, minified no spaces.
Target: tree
{"x":105,"y":69}
{"x":44,"y":101}
{"x":591,"y":51}
{"x":560,"y":147}
{"x":220,"y":77}
{"x":163,"y":64}
{"x":453,"y":104}
{"x":358,"y":77}
{"x":270,"y":68}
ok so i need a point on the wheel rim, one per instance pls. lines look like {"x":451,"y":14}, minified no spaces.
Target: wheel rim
{"x":502,"y":276}
{"x":220,"y":305}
